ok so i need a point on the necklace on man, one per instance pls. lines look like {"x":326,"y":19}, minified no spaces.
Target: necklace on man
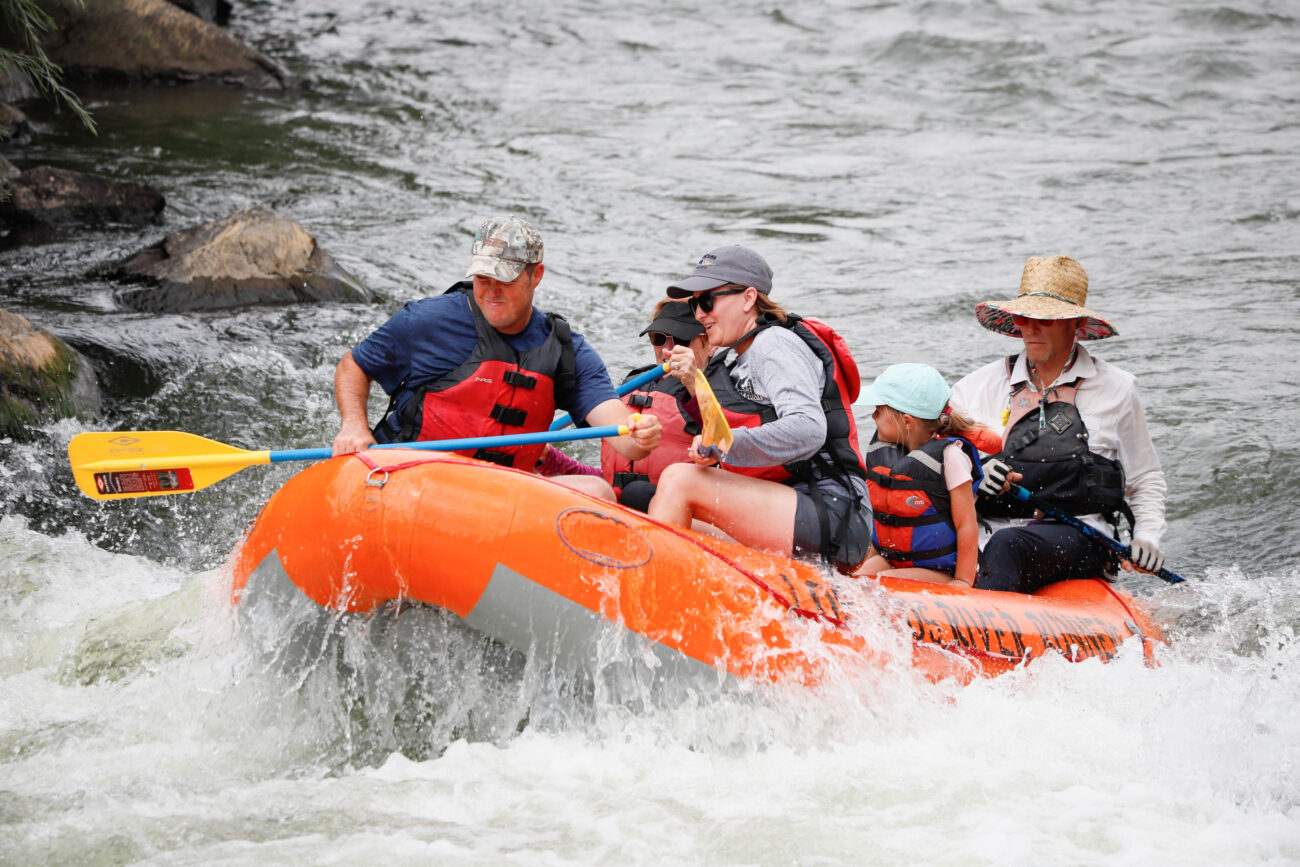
{"x":1043,"y":392}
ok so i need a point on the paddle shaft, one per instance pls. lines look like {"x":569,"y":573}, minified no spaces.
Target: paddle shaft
{"x":524,"y":439}
{"x":631,"y":385}
{"x":1115,"y":545}
{"x":277,"y":456}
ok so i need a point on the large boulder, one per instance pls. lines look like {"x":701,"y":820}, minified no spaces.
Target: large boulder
{"x":151,"y":40}
{"x":46,"y":196}
{"x":41,"y":377}
{"x":253,"y":256}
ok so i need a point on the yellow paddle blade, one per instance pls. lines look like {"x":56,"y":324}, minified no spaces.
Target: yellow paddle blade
{"x":118,"y":464}
{"x":716,"y":430}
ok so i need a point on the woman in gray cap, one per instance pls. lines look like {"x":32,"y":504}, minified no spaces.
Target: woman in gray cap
{"x":792,"y":480}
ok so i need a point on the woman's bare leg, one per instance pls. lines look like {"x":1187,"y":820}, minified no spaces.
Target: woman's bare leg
{"x":754,"y":512}
{"x":594,"y":485}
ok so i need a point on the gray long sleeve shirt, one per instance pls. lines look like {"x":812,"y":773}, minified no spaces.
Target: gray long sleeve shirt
{"x":779,"y":370}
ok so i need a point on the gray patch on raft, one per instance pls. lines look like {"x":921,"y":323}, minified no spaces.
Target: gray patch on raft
{"x":514,"y":611}
{"x":528,"y":617}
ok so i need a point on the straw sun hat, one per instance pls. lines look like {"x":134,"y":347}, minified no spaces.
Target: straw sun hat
{"x":1052,"y":287}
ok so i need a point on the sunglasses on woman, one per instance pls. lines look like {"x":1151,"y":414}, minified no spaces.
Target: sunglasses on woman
{"x":704,"y":301}
{"x":658,"y":338}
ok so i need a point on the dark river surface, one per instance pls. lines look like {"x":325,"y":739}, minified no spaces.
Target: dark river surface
{"x":896,"y":163}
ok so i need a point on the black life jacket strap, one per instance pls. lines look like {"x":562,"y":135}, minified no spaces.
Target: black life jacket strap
{"x":519,"y":380}
{"x":508,"y":415}
{"x":490,"y":456}
{"x":622,"y":480}
{"x":892,"y":554}
{"x":894,"y":483}
{"x":902,"y":521}
{"x":566,"y":375}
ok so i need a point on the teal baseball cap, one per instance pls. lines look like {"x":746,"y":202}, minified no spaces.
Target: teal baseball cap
{"x":915,"y":389}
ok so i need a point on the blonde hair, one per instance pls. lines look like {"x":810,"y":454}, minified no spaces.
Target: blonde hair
{"x":948,"y":424}
{"x":654,"y":314}
{"x":763,"y":305}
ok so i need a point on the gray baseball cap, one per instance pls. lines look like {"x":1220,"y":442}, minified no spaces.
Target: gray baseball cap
{"x":502,"y":247}
{"x":722,"y":266}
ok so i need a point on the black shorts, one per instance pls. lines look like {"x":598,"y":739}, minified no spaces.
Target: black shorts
{"x":839,"y":508}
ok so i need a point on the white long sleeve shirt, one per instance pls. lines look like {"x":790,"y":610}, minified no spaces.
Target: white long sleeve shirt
{"x":1108,"y":402}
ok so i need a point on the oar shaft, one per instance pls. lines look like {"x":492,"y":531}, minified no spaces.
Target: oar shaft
{"x":631,"y":385}
{"x":1115,"y":545}
{"x":523,"y":439}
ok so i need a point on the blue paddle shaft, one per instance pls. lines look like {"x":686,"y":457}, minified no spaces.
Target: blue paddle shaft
{"x":591,"y":433}
{"x":631,"y":385}
{"x":1022,"y":493}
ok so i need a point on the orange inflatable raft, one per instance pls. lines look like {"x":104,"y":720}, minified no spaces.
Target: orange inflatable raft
{"x":545,"y":569}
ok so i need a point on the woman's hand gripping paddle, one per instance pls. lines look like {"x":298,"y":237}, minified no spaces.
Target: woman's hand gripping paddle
{"x":716,"y":438}
{"x":120,"y":464}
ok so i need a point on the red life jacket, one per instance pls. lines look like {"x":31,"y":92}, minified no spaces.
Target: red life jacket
{"x":663,"y":399}
{"x":842,"y":383}
{"x":911,"y":505}
{"x":495,"y":391}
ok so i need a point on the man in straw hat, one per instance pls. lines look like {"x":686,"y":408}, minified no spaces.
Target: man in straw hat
{"x":481,"y":360}
{"x":1073,"y":433}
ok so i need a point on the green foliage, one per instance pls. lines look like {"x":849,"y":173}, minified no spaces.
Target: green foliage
{"x":27,"y":21}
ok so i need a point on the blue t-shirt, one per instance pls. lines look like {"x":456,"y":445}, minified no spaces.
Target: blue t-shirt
{"x":430,"y":338}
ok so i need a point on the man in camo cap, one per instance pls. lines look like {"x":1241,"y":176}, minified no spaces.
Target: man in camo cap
{"x":481,"y":360}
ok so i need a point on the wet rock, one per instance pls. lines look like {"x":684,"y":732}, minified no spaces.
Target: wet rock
{"x":46,"y":196}
{"x":8,"y":171}
{"x":15,"y":85}
{"x":150,"y":40}
{"x":41,"y":377}
{"x":216,"y":11}
{"x":253,"y":256}
{"x":15,"y":128}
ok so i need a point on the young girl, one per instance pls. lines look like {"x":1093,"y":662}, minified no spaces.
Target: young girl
{"x":922,"y":470}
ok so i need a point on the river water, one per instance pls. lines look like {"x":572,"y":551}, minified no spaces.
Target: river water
{"x":895,"y":163}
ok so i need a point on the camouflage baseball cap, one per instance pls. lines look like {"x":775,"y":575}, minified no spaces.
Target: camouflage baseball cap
{"x":502,"y":247}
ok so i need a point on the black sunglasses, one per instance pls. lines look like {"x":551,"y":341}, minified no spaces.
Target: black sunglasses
{"x":658,"y":338}
{"x":704,"y":301}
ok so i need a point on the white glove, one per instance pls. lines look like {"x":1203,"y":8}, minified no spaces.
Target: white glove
{"x":995,"y":477}
{"x":1146,"y":556}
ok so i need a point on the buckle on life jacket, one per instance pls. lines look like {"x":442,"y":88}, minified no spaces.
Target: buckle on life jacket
{"x":622,"y":480}
{"x":640,"y":401}
{"x":499,"y":458}
{"x":519,"y":380}
{"x":509,"y":415}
